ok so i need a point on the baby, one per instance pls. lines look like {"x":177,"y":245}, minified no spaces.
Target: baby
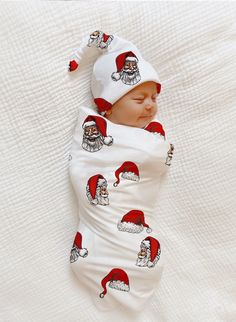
{"x":118,"y":156}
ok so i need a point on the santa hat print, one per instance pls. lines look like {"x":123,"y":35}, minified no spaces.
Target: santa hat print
{"x":94,"y":182}
{"x":118,"y":68}
{"x":155,"y":249}
{"x":133,"y":222}
{"x":101,"y":125}
{"x":118,"y":280}
{"x":83,"y":252}
{"x":128,"y":170}
{"x":156,"y":128}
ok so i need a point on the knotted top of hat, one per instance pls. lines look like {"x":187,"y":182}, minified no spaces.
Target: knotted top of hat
{"x":118,"y":69}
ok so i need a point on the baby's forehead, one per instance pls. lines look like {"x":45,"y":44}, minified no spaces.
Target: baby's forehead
{"x":142,"y":91}
{"x":145,"y":87}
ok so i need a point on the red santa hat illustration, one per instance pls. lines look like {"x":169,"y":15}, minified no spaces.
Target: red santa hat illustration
{"x":155,"y":249}
{"x":120,"y":62}
{"x":113,"y":51}
{"x":128,"y":170}
{"x":102,"y":105}
{"x":101,"y":125}
{"x":133,"y":222}
{"x":83,"y":252}
{"x":118,"y":279}
{"x":94,"y":182}
{"x":156,"y":128}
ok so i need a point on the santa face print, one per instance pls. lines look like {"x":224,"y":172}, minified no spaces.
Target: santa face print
{"x":77,"y":249}
{"x":95,"y":136}
{"x":92,"y":139}
{"x":170,"y":154}
{"x":127,"y":69}
{"x":130,"y":73}
{"x":96,"y":191}
{"x":149,"y":253}
{"x":99,"y":39}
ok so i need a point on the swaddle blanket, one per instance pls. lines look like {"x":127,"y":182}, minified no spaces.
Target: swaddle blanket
{"x":116,"y":173}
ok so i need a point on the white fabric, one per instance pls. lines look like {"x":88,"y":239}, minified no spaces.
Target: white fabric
{"x":192,"y":44}
{"x":108,"y":246}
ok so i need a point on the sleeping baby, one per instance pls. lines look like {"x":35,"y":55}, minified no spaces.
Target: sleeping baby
{"x":118,"y":156}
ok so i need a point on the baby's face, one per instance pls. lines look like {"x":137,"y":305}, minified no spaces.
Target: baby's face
{"x":137,"y":108}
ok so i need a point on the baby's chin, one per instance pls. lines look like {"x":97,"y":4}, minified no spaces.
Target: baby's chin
{"x":143,"y":121}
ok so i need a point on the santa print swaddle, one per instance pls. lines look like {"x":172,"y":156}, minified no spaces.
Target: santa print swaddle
{"x":116,"y":173}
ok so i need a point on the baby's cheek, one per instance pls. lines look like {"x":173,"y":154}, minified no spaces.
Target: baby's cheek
{"x":129,"y":112}
{"x":136,"y":112}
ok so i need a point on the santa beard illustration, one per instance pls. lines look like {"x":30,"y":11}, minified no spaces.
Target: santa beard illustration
{"x":101,"y":197}
{"x":130,"y":77}
{"x":92,"y":143}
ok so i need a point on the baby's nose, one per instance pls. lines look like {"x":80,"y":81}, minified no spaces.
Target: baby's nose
{"x":149,"y":104}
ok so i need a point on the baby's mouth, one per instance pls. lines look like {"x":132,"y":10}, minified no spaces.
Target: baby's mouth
{"x":146,"y":116}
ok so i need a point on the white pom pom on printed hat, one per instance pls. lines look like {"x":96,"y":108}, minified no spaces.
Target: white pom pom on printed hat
{"x":118,"y":70}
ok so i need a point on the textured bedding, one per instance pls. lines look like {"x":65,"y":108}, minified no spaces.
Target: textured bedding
{"x":192,"y":45}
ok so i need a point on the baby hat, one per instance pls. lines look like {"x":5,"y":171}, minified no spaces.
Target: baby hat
{"x":118,"y":69}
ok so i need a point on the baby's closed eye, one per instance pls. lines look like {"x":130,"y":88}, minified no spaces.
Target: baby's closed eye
{"x":140,"y":100}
